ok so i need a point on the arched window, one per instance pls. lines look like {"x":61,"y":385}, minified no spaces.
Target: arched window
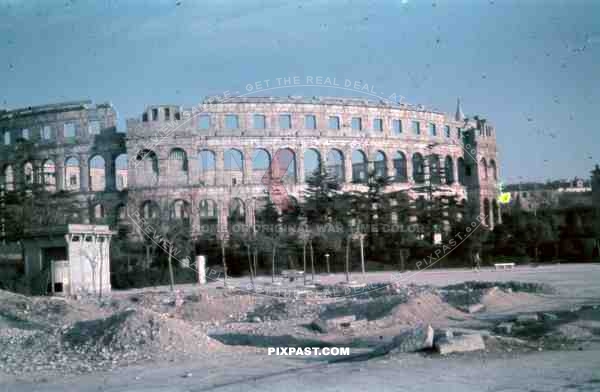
{"x":418,"y":168}
{"x":284,"y":166}
{"x":461,"y":171}
{"x":98,"y":212}
{"x":180,"y":210}
{"x":234,"y":167}
{"x":121,"y":167}
{"x":209,"y":213}
{"x":434,"y":169}
{"x":72,"y":174}
{"x":261,"y":160}
{"x":335,"y":165}
{"x":312,"y":163}
{"x":9,"y":178}
{"x":494,"y":170}
{"x":178,"y":166}
{"x":150,"y":210}
{"x":483,"y":170}
{"x":207,"y":167}
{"x":97,"y":173}
{"x":28,"y":174}
{"x":49,"y":175}
{"x":359,"y":166}
{"x":400,"y":169}
{"x":236,"y":211}
{"x":146,"y":165}
{"x":380,"y":165}
{"x":449,"y":170}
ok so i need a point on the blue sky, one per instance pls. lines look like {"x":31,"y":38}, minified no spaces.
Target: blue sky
{"x":531,"y":67}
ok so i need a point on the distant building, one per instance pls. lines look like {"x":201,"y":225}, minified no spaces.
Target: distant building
{"x":533,"y":196}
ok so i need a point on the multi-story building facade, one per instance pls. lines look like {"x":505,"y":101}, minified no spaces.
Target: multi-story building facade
{"x":208,"y":163}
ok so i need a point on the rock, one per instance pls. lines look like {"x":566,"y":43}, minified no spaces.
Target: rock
{"x":460,"y":344}
{"x":505,"y":328}
{"x":417,"y":339}
{"x":256,"y":319}
{"x":319,"y":325}
{"x":527,"y":318}
{"x":549,"y":317}
{"x":441,"y":334}
{"x":473,"y":308}
{"x":340,"y":322}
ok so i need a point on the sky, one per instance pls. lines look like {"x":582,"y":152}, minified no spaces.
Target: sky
{"x":531,"y":67}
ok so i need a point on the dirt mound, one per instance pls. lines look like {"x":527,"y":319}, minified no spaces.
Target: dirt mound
{"x":426,"y":308}
{"x":144,"y":330}
{"x":498,"y":301}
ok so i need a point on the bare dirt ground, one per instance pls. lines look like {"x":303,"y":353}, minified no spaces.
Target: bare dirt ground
{"x":211,"y":338}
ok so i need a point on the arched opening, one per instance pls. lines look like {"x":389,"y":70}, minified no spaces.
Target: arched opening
{"x":72,"y":174}
{"x":461,"y":171}
{"x":483,"y":174}
{"x":359,"y":166}
{"x":209,"y":216}
{"x":178,"y":166}
{"x":9,"y":178}
{"x":418,"y":168}
{"x":150,"y":210}
{"x":380,"y":165}
{"x":261,"y":160}
{"x":284,"y":166}
{"x":486,"y":212}
{"x":97,"y":173}
{"x":98,"y":212}
{"x":121,"y":171}
{"x":146,"y":168}
{"x":400,"y":169}
{"x":28,"y":175}
{"x":434,"y":169}
{"x":494,"y":170}
{"x":312,"y":163}
{"x":335,"y":165}
{"x":180,"y":211}
{"x":234,"y":167}
{"x":207,"y":167}
{"x":449,"y":170}
{"x":237,"y":213}
{"x":49,"y":175}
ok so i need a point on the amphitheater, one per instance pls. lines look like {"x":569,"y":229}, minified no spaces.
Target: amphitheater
{"x":207,"y":163}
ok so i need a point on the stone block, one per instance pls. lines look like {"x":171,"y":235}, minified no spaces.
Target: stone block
{"x":417,"y":339}
{"x":460,"y":344}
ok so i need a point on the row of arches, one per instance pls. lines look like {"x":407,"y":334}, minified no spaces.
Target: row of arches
{"x":233,"y":170}
{"x":69,"y":176}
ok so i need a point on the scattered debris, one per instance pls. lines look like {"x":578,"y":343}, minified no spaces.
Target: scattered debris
{"x":460,"y":343}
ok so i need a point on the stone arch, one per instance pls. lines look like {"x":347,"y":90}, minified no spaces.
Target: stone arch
{"x":207,"y":167}
{"x":487,"y":212}
{"x":335,"y":164}
{"x":283,"y":166}
{"x":72,"y":174}
{"x":49,"y":175}
{"x":98,"y":212}
{"x":180,"y":210}
{"x":9,"y":177}
{"x":261,"y":160}
{"x":449,"y":170}
{"x":359,"y":166}
{"x":494,"y":170}
{"x":312,"y":162}
{"x":121,"y":168}
{"x":28,"y":174}
{"x":484,"y":169}
{"x":209,"y":216}
{"x":461,"y":171}
{"x":434,"y":169}
{"x":418,"y":168}
{"x":120,"y":214}
{"x":380,"y":164}
{"x":150,"y":210}
{"x":236,"y":211}
{"x":400,"y":168}
{"x":177,"y":166}
{"x":233,"y":166}
{"x":97,"y":173}
{"x":146,"y":168}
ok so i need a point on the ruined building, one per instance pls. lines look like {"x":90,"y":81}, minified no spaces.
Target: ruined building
{"x":206,"y":164}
